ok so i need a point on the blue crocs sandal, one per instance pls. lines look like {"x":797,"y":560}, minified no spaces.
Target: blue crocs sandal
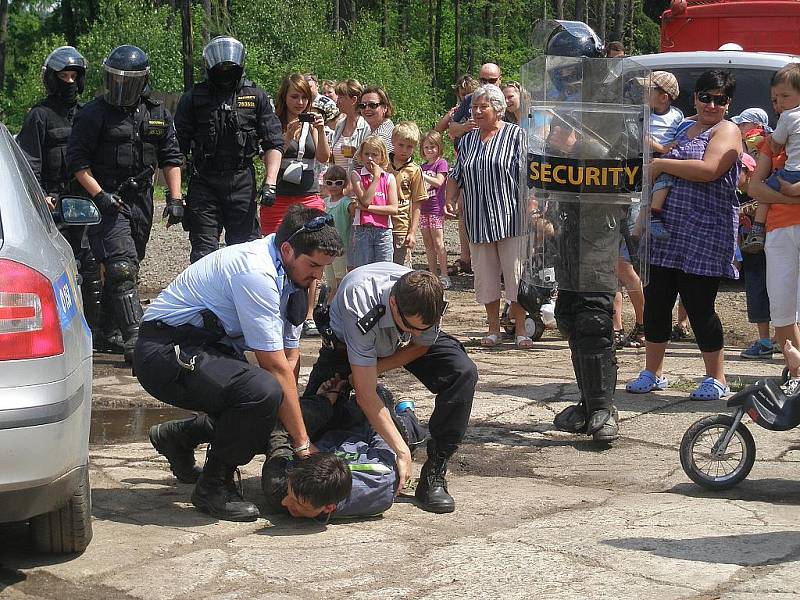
{"x":710,"y":389}
{"x":646,"y":382}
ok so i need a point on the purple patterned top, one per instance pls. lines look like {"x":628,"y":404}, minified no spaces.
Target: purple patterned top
{"x":702,"y":219}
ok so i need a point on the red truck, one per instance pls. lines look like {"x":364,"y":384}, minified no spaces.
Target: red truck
{"x":755,"y":25}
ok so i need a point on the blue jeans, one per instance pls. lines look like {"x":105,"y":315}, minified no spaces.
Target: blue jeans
{"x":370,"y":245}
{"x":663,"y":181}
{"x":786,"y":175}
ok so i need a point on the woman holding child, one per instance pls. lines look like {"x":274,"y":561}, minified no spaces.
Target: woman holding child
{"x":701,"y":214}
{"x":486,"y":176}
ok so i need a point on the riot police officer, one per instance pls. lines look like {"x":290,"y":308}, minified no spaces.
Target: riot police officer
{"x":585,"y":219}
{"x":223,"y":122}
{"x":117,"y":141}
{"x":43,"y":138}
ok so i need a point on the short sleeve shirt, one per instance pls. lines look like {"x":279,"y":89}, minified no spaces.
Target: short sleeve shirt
{"x":787,"y":133}
{"x":360,"y":291}
{"x":410,"y":190}
{"x":664,"y":128}
{"x":245,"y":286}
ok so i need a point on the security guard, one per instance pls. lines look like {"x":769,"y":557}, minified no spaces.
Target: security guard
{"x":43,"y":138}
{"x":385,"y":316}
{"x":190,"y":353}
{"x":117,"y":141}
{"x":223,"y":122}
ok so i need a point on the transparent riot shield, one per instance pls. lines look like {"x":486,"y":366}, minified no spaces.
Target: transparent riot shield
{"x":587,"y":173}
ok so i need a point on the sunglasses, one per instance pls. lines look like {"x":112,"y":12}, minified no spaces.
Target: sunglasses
{"x":718,"y":99}
{"x":333,"y":182}
{"x":412,"y":327}
{"x":485,"y":80}
{"x":371,"y":105}
{"x":314,"y":224}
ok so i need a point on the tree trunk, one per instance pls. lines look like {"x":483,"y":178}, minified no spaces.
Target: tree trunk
{"x":186,"y":35}
{"x":457,"y":58}
{"x":602,"y":20}
{"x":560,"y":9}
{"x":3,"y":41}
{"x":631,"y":24}
{"x":437,"y":43}
{"x":384,"y":22}
{"x":336,"y":16}
{"x":68,"y":21}
{"x":580,"y":10}
{"x":619,"y":20}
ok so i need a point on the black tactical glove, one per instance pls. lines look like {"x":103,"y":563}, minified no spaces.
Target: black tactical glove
{"x":173,"y":211}
{"x":107,"y":204}
{"x":267,"y":194}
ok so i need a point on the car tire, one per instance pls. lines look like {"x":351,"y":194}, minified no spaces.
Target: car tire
{"x":67,"y":529}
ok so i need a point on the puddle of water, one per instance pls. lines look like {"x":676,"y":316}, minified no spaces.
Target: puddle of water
{"x":123,"y":425}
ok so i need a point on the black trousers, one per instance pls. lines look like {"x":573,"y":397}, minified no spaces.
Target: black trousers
{"x":242,"y":400}
{"x":218,"y":200}
{"x":698,"y":294}
{"x":585,"y":318}
{"x":445,"y":369}
{"x":124,"y":236}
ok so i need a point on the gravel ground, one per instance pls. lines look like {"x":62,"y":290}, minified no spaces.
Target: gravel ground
{"x":168,"y":255}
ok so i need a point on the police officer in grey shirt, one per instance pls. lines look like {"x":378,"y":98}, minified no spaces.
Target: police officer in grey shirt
{"x":385,"y":316}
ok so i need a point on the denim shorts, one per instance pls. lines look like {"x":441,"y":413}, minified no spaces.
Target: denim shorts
{"x":786,"y":175}
{"x":633,"y":216}
{"x":663,"y":181}
{"x":370,"y":245}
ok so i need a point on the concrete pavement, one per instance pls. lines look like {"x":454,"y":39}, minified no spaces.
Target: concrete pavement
{"x":540,"y":514}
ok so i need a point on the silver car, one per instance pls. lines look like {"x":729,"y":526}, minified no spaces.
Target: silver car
{"x":45,"y":363}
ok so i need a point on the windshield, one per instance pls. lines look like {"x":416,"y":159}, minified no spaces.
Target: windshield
{"x":752,"y":89}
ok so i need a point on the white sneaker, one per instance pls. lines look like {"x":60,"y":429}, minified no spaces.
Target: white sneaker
{"x":446,"y":283}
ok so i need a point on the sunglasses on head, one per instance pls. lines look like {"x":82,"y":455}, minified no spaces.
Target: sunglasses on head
{"x":718,"y":99}
{"x":314,"y":224}
{"x":332,"y":182}
{"x":485,"y":80}
{"x":371,"y":105}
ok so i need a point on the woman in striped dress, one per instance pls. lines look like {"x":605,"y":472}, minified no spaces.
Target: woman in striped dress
{"x":487,"y":176}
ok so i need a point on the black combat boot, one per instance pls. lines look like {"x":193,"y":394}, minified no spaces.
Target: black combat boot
{"x":216,"y":493}
{"x":176,"y":441}
{"x":573,"y":418}
{"x":432,"y":488}
{"x":598,"y":374}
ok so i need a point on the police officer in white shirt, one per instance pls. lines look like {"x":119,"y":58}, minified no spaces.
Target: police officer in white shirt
{"x":190,"y":354}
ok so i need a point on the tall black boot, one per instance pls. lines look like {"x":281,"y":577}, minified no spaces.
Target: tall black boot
{"x":123,"y":295}
{"x":573,"y":418}
{"x":598,"y":374}
{"x":432,"y":487}
{"x":216,"y":493}
{"x":176,"y":441}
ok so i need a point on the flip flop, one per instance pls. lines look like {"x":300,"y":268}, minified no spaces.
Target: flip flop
{"x":524,"y":342}
{"x":490,"y":340}
{"x":710,"y":389}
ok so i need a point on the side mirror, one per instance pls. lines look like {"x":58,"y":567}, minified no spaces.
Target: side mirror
{"x":76,"y":210}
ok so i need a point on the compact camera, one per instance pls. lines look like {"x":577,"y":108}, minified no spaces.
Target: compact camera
{"x":306,"y":117}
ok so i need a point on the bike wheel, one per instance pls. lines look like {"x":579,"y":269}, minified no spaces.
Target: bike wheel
{"x":697,"y":453}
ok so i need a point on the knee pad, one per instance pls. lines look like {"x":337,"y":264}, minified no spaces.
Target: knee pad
{"x":121,"y":275}
{"x":593,"y":330}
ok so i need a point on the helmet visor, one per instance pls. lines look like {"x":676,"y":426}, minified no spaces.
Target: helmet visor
{"x":124,"y":88}
{"x":65,"y":57}
{"x":224,"y":50}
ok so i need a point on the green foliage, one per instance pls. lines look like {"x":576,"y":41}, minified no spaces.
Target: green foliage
{"x":283,"y":37}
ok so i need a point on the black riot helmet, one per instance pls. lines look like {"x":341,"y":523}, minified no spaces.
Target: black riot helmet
{"x":574,"y":38}
{"x":64,"y":58}
{"x":224,"y":60}
{"x":127,"y":71}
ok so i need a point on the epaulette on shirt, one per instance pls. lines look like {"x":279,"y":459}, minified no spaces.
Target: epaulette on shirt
{"x":369,"y":320}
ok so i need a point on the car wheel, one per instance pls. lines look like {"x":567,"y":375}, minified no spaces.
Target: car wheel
{"x":69,"y":528}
